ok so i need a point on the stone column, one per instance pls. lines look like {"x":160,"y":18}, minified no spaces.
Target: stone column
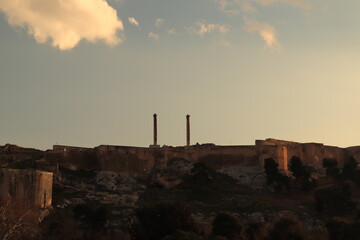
{"x":155,"y":129}
{"x":188,"y":130}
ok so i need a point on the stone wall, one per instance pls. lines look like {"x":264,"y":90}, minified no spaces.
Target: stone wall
{"x":32,"y":188}
{"x":311,"y":153}
{"x":139,"y":161}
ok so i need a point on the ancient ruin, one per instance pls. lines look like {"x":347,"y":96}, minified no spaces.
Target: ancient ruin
{"x":31,"y":188}
{"x":139,"y":161}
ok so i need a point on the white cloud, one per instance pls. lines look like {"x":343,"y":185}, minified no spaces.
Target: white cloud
{"x":266,"y":31}
{"x":65,"y":23}
{"x":133,"y":21}
{"x":172,"y":31}
{"x":203,"y":28}
{"x":159,"y":22}
{"x":154,"y":36}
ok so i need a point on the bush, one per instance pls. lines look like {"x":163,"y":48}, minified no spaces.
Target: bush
{"x":329,"y":162}
{"x":286,"y":229}
{"x":161,"y":220}
{"x":17,"y":221}
{"x":297,"y":168}
{"x":181,"y":235}
{"x":227,"y":225}
{"x":341,"y":229}
{"x":303,"y":174}
{"x":332,"y":169}
{"x":275,"y":177}
{"x":349,"y":169}
{"x":334,"y":200}
{"x":255,"y":231}
{"x":92,"y":221}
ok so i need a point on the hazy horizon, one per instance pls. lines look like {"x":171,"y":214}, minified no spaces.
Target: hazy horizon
{"x":86,"y":74}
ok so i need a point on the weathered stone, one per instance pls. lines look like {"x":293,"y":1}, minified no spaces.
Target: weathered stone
{"x":32,"y":188}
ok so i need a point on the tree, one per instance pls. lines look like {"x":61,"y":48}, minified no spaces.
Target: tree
{"x":275,"y":177}
{"x":17,"y":221}
{"x":349,"y":169}
{"x":298,"y":169}
{"x":332,"y":169}
{"x":162,"y":219}
{"x":303,"y":174}
{"x":227,"y":225}
{"x":271,"y":170}
{"x":286,"y":229}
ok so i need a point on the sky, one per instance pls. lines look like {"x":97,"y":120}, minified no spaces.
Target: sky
{"x":92,"y":72}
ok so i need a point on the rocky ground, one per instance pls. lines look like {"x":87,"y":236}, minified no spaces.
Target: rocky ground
{"x":241,"y":191}
{"x":206,"y":191}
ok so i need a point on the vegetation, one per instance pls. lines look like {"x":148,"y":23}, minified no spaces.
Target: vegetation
{"x":334,"y":200}
{"x":303,"y":174}
{"x":274,"y":177}
{"x":286,"y":229}
{"x":181,"y":235}
{"x":227,"y":225}
{"x":349,"y":169}
{"x":17,"y":222}
{"x":162,"y":220}
{"x":342,"y":229}
{"x":332,"y":169}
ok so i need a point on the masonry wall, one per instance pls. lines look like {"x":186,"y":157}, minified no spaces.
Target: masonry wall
{"x":32,"y":188}
{"x":311,"y":153}
{"x":139,"y":161}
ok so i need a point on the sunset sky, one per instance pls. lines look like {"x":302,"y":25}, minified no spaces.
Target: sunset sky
{"x":91,"y":72}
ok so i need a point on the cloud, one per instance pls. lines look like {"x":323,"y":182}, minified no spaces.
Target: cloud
{"x":266,"y":31}
{"x":172,"y":31}
{"x":295,"y":3}
{"x":159,"y":22}
{"x":65,"y":23}
{"x":133,"y":21}
{"x":203,"y":29}
{"x":154,"y":36}
{"x":234,"y":7}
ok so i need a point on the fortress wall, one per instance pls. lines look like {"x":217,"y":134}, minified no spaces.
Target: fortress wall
{"x":32,"y":188}
{"x":266,"y":151}
{"x":334,"y":152}
{"x":139,"y":161}
{"x":353,"y":152}
{"x":73,"y":157}
{"x":188,"y":153}
{"x":228,"y":156}
{"x":128,"y":160}
{"x":312,"y":154}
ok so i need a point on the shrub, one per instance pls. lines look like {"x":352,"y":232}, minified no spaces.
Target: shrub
{"x":92,"y":221}
{"x":341,"y":229}
{"x":332,"y":169}
{"x":227,"y":225}
{"x":161,"y":220}
{"x":286,"y":229}
{"x":334,"y":200}
{"x":303,"y":174}
{"x":275,"y":177}
{"x":181,"y":235}
{"x":349,"y":169}
{"x":329,"y":162}
{"x":17,"y":221}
